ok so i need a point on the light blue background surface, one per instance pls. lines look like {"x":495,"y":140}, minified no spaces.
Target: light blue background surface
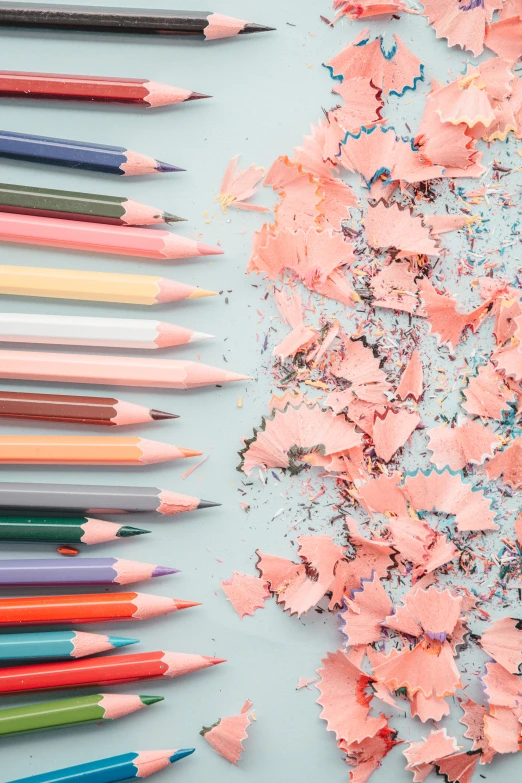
{"x":268,"y":89}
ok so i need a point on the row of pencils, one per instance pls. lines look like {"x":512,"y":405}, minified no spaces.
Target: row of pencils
{"x":71,"y":515}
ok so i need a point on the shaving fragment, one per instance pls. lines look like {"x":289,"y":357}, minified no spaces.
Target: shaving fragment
{"x":411,"y":384}
{"x":468,"y":443}
{"x":246,"y":593}
{"x":463,"y":24}
{"x":503,"y":642}
{"x":226,"y":736}
{"x":239,"y":186}
{"x":389,"y":225}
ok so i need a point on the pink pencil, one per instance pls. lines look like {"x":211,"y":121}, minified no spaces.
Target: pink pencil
{"x":100,"y":238}
{"x":112,"y":370}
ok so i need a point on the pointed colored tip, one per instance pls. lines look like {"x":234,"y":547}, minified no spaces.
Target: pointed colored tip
{"x":181,"y":754}
{"x":190,"y":453}
{"x":201,"y":336}
{"x":252,"y":27}
{"x":119,"y":641}
{"x":200,"y":292}
{"x":234,"y":376}
{"x":164,"y":571}
{"x":170,"y":218}
{"x":214,"y":661}
{"x":126,"y":532}
{"x":165,"y":168}
{"x":207,"y":504}
{"x":208,"y":250}
{"x":161,"y":415}
{"x":186,"y":604}
{"x":197,"y":96}
{"x":148,"y":700}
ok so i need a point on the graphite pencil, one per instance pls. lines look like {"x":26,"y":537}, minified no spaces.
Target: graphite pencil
{"x":79,"y":711}
{"x":90,"y":499}
{"x":94,"y":332}
{"x":100,"y":238}
{"x":139,"y":764}
{"x":114,"y":670}
{"x":57,"y":645}
{"x":87,"y":450}
{"x":94,"y":286}
{"x":80,"y":571}
{"x":85,"y":609}
{"x":112,"y":370}
{"x":62,"y":530}
{"x":70,"y":205}
{"x":102,"y":89}
{"x":125,"y":20}
{"x":101,"y":411}
{"x":79,"y":154}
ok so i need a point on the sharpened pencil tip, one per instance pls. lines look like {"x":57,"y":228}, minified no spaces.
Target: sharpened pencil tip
{"x":126,"y":532}
{"x":200,"y":336}
{"x":161,"y":415}
{"x":148,"y":700}
{"x":201,"y":292}
{"x":169,"y":218}
{"x":190,"y":452}
{"x":208,"y":250}
{"x":164,"y":571}
{"x":186,"y":604}
{"x":181,"y":754}
{"x":214,"y":661}
{"x":197,"y":96}
{"x":252,"y":27}
{"x":165,"y":168}
{"x":207,"y":504}
{"x":118,"y":641}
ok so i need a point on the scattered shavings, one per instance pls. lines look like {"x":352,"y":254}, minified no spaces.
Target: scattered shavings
{"x":455,"y":447}
{"x":227,"y":734}
{"x":246,"y":593}
{"x":389,"y":225}
{"x":422,"y":755}
{"x":507,"y":464}
{"x":364,"y":612}
{"x":238,"y":186}
{"x":487,"y":394}
{"x":463,"y":24}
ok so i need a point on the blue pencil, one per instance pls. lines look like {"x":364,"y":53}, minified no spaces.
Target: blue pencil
{"x":57,"y":645}
{"x":140,"y":764}
{"x":79,"y":155}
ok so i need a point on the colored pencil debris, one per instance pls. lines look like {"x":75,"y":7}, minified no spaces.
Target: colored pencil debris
{"x":391,"y":312}
{"x":227,"y":735}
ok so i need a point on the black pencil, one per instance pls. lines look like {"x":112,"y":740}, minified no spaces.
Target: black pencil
{"x":125,"y":20}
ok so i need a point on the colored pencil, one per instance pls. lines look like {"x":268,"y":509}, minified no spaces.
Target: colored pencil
{"x":128,"y":766}
{"x":125,"y":20}
{"x":94,"y":286}
{"x":79,"y":154}
{"x":112,"y":370}
{"x":60,"y":530}
{"x":81,"y":571}
{"x":114,"y":670}
{"x":102,"y":411}
{"x":94,"y":332}
{"x":87,"y":450}
{"x":82,"y":609}
{"x":57,"y":645}
{"x":79,"y":711}
{"x":100,"y":238}
{"x":70,"y":205}
{"x":102,"y":89}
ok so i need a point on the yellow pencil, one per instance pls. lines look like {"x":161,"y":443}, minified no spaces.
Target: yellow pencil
{"x":94,"y":286}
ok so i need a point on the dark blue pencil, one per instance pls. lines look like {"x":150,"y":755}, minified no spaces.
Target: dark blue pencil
{"x":79,"y":155}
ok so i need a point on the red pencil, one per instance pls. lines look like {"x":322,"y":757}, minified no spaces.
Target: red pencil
{"x":67,"y":87}
{"x":81,"y":609}
{"x":89,"y":672}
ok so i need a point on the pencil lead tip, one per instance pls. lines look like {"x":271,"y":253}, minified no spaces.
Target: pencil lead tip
{"x":190,"y":452}
{"x":164,"y":571}
{"x":207,"y":504}
{"x":148,"y":700}
{"x":118,"y":641}
{"x":197,"y":96}
{"x":165,"y":168}
{"x":214,"y":661}
{"x":161,"y":415}
{"x":208,"y":250}
{"x":181,"y":754}
{"x":200,"y":336}
{"x":198,"y":293}
{"x":126,"y":532}
{"x":186,"y":604}
{"x":169,"y":218}
{"x":252,"y":27}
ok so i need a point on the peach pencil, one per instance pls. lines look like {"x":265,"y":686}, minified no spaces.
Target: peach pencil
{"x":111,"y":370}
{"x":100,"y":238}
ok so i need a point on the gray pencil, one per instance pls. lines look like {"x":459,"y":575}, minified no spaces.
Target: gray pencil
{"x":74,"y":498}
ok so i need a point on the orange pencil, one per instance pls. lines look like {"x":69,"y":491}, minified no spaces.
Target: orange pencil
{"x":87,"y":450}
{"x":95,"y":608}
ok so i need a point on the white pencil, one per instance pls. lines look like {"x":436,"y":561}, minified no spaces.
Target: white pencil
{"x":96,"y":332}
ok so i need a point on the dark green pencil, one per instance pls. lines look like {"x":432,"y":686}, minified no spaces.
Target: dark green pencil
{"x":63,"y":530}
{"x":91,"y":207}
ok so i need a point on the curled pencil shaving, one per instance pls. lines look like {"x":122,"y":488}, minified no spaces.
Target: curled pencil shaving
{"x":364,"y":612}
{"x":362,"y":103}
{"x":364,"y":9}
{"x":508,"y":465}
{"x":411,"y":383}
{"x":503,"y":642}
{"x":462,"y":24}
{"x":227,"y":734}
{"x":473,"y":719}
{"x":421,"y":756}
{"x":487,"y":394}
{"x":390,"y":225}
{"x":246,"y":593}
{"x":395,"y":288}
{"x":468,"y":443}
{"x":392,"y":429}
{"x":239,"y":186}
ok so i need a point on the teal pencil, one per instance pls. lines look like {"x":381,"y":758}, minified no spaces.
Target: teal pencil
{"x":57,"y":645}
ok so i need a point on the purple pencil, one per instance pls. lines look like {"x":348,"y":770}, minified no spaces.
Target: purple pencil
{"x":80,"y":571}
